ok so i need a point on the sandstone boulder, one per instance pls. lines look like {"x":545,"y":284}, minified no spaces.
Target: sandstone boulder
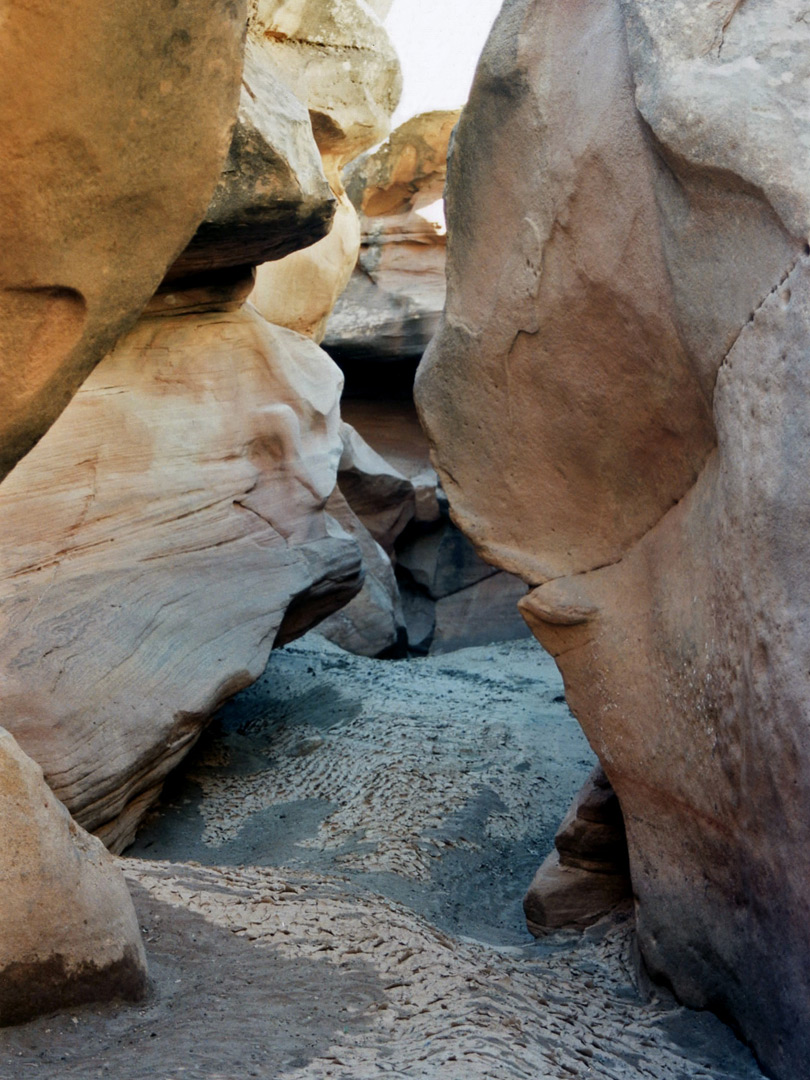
{"x":617,"y":397}
{"x":392,"y":305}
{"x":272,"y":197}
{"x":587,"y":874}
{"x":98,"y":195}
{"x":372,"y":623}
{"x":380,"y":496}
{"x":338,"y":60}
{"x":163,"y":535}
{"x":69,"y":933}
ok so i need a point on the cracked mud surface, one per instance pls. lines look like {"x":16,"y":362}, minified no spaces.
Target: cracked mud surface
{"x":367,"y":830}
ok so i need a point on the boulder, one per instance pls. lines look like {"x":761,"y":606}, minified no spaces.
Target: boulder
{"x":338,"y":60}
{"x":272,"y":197}
{"x":617,"y":400}
{"x":372,"y":623}
{"x":441,"y":560}
{"x":160,"y":538}
{"x":98,"y":196}
{"x":380,"y":496}
{"x":300,"y":290}
{"x":392,"y":305}
{"x":480,"y":614}
{"x":587,"y":874}
{"x":69,"y":933}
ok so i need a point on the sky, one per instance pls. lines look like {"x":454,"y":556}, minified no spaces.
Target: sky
{"x":439,"y":42}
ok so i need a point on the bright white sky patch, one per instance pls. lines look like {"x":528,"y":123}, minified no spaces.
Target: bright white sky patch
{"x":439,"y":42}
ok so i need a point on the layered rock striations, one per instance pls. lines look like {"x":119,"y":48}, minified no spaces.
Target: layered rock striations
{"x":617,"y":403}
{"x":172,"y":526}
{"x":153,"y":544}
{"x":103,"y":106}
{"x":391,"y":307}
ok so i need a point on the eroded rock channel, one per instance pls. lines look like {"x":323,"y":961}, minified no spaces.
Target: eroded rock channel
{"x":333,"y":885}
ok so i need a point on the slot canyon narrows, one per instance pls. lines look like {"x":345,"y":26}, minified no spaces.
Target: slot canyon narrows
{"x":404,"y":603}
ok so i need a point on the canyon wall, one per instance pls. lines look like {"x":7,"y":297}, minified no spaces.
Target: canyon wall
{"x":96,"y":205}
{"x":617,"y":398}
{"x":173,"y":525}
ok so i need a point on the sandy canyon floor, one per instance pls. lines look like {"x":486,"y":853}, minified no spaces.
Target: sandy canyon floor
{"x":332,"y":887}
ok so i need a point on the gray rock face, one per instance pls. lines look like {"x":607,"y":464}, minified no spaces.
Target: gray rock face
{"x":617,"y":404}
{"x":272,"y":197}
{"x":69,"y":933}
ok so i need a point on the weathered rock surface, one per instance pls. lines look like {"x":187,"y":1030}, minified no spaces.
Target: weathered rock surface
{"x":272,"y":197}
{"x":338,"y":59}
{"x":392,"y":305}
{"x":381,"y":497}
{"x":618,"y":400}
{"x":157,"y":542}
{"x":587,"y":874}
{"x":69,"y":933}
{"x":98,"y":196}
{"x":300,"y":290}
{"x":372,"y":623}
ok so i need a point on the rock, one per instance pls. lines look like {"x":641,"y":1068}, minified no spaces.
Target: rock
{"x":592,"y":835}
{"x":272,"y":197}
{"x":480,"y":614}
{"x":392,"y":305}
{"x":380,"y":496}
{"x":618,"y":401}
{"x":166,"y":531}
{"x":419,"y":612}
{"x":587,"y":874}
{"x":300,"y":290}
{"x":338,"y":59}
{"x":98,"y":196}
{"x":562,"y":896}
{"x":441,"y":560}
{"x":69,"y":934}
{"x":372,"y":623}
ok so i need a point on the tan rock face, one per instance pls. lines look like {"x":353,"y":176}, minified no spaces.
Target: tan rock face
{"x":69,"y":933}
{"x":157,"y":541}
{"x":272,"y":196}
{"x":103,"y":105}
{"x":392,"y":305}
{"x":300,"y":290}
{"x":337,"y":58}
{"x":618,"y":404}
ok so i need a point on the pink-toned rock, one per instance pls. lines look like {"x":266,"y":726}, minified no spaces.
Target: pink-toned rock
{"x":102,"y":106}
{"x":157,"y":542}
{"x":69,"y":933}
{"x":617,"y":400}
{"x":586,"y":876}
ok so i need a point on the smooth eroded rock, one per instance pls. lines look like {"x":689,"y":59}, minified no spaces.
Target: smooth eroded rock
{"x":392,"y":305}
{"x":160,"y":538}
{"x":272,"y":197}
{"x":618,"y":404}
{"x":103,"y":107}
{"x":69,"y":934}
